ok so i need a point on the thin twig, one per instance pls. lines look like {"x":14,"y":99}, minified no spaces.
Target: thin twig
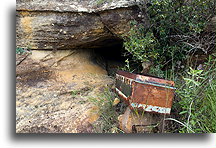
{"x":62,"y":58}
{"x":22,"y":60}
{"x":179,"y":123}
{"x":189,"y":115}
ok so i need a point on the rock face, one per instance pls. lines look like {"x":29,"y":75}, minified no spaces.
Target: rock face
{"x":53,"y":91}
{"x":66,"y":24}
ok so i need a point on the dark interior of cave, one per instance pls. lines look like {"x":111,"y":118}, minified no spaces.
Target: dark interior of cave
{"x":111,"y":57}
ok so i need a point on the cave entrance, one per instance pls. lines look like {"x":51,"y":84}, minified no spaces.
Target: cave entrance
{"x":110,"y":56}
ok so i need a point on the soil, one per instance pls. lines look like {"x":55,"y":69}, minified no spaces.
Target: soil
{"x":53,"y":91}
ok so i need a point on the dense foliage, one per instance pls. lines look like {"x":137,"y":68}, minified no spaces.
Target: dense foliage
{"x":197,"y":92}
{"x":176,"y":37}
{"x":175,"y":31}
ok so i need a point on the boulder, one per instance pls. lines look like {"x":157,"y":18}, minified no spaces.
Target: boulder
{"x":136,"y":122}
{"x":66,"y":24}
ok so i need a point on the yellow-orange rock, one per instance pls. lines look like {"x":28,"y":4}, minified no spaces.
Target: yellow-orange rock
{"x":44,"y":24}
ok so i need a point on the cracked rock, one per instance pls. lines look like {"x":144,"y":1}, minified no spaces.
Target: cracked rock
{"x":73,"y":24}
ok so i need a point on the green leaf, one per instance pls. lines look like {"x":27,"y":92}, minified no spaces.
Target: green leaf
{"x":183,"y":112}
{"x":192,"y":81}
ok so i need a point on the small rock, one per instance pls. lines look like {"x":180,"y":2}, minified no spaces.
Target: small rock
{"x":116,"y":101}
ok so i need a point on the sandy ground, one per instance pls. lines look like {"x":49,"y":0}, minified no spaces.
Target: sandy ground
{"x":53,"y":90}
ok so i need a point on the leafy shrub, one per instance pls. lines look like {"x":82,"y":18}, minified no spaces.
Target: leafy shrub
{"x":141,"y":45}
{"x":198,"y":99}
{"x":177,"y":31}
{"x":174,"y":32}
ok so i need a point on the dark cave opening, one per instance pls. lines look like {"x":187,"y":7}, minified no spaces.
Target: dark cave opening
{"x":110,"y":56}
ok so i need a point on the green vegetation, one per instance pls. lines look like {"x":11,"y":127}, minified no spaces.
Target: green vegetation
{"x":108,"y":122}
{"x":174,"y":29}
{"x":75,"y":93}
{"x":198,"y":96}
{"x":173,"y":42}
{"x":175,"y":37}
{"x":81,"y":92}
{"x":20,"y":50}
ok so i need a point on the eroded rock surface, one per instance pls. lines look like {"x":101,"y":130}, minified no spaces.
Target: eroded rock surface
{"x":43,"y":24}
{"x":53,"y":90}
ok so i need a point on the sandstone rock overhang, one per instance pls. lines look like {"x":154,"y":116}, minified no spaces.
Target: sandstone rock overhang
{"x":66,"y":24}
{"x":88,"y":6}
